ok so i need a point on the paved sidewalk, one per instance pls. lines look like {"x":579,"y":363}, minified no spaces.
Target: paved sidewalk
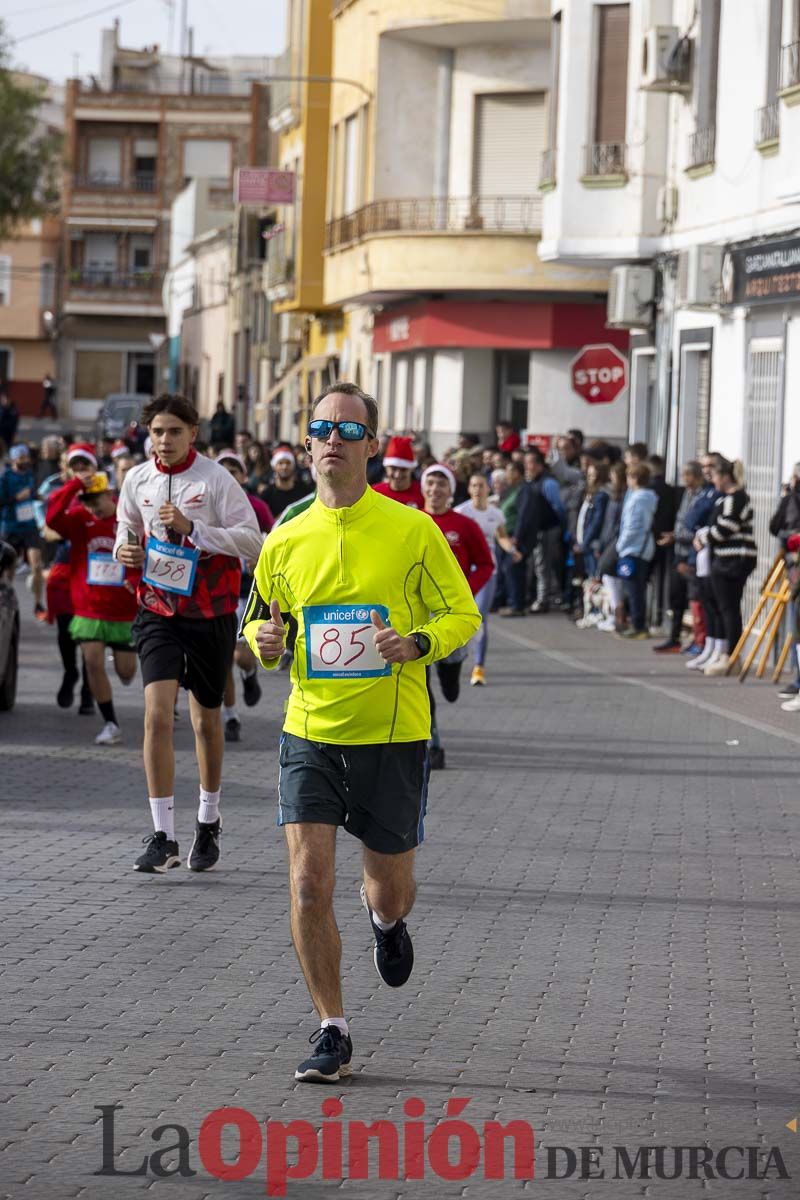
{"x":607,"y":935}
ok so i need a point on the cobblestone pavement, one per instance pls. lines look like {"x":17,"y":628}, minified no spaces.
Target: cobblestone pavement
{"x":607,"y":936}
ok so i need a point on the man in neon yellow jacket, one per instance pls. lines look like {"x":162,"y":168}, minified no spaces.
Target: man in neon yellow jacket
{"x":377,"y":595}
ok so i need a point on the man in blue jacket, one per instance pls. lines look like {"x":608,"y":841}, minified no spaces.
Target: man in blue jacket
{"x":18,"y":518}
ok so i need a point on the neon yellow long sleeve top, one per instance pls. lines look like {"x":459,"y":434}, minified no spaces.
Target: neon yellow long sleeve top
{"x":330,"y":568}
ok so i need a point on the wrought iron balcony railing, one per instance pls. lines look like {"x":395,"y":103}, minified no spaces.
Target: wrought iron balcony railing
{"x":547,"y":171}
{"x":768,"y":123}
{"x":438,"y":214}
{"x":602,"y":159}
{"x":701,"y":147}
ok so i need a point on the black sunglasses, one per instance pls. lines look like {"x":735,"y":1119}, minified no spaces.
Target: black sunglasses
{"x":349,"y":431}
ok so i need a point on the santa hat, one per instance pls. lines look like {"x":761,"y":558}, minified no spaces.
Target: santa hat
{"x":234,"y":457}
{"x":400,"y":453}
{"x":82,"y":450}
{"x":119,"y":448}
{"x":440,"y":469}
{"x":282,"y":455}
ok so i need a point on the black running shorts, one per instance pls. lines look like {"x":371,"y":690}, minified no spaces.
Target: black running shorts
{"x":196,"y":653}
{"x":377,"y":793}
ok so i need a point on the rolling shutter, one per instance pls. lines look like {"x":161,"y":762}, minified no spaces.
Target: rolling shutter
{"x":612,"y":73}
{"x":510,"y":135}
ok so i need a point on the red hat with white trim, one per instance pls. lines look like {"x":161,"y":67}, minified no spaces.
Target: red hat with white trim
{"x":440,"y":469}
{"x":282,"y":454}
{"x":82,"y":450}
{"x":400,"y":453}
{"x":119,"y":448}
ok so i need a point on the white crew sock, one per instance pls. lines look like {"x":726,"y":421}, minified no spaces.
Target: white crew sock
{"x":384,"y":926}
{"x":231,"y":713}
{"x":248,"y":674}
{"x":722,"y":645}
{"x":339,"y":1022}
{"x":163,"y":810}
{"x":208,"y":811}
{"x":708,"y":649}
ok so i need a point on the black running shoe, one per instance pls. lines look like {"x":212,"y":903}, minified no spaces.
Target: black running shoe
{"x":233,"y":730}
{"x":204,"y":853}
{"x":160,"y":855}
{"x":251,"y":689}
{"x":436,"y":758}
{"x":394,"y":953}
{"x":333,"y":1051}
{"x":66,"y":693}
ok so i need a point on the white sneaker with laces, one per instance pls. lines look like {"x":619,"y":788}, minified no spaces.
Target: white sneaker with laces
{"x":109,"y":735}
{"x":705,"y":656}
{"x":718,"y":665}
{"x":791,"y":705}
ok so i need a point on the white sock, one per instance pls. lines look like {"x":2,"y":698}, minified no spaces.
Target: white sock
{"x":384,"y":926}
{"x":722,"y":645}
{"x":231,"y":713}
{"x":339,"y":1022}
{"x":163,"y":810}
{"x":208,"y":811}
{"x":797,"y":655}
{"x":248,"y":674}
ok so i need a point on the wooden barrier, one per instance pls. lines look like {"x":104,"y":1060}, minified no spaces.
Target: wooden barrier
{"x":775,"y":595}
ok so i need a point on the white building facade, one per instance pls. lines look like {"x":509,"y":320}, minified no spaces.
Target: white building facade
{"x":672,"y":153}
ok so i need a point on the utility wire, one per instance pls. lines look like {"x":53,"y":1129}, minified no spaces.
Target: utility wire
{"x":26,"y":37}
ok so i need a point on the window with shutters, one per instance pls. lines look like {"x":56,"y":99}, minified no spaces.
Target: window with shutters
{"x":207,"y":158}
{"x":105,"y":161}
{"x":606,"y":153}
{"x":768,"y":117}
{"x":351,"y":164}
{"x":47,"y":281}
{"x":5,"y":279}
{"x":509,"y":140}
{"x":145,"y":158}
{"x":703,"y":141}
{"x":547,"y":174}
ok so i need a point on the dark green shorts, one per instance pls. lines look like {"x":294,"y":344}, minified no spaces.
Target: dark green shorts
{"x":377,"y":793}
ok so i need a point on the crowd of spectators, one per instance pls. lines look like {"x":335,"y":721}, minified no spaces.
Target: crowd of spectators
{"x":588,"y":528}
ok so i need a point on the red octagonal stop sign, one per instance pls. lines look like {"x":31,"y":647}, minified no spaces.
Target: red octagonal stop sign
{"x":599,"y":374}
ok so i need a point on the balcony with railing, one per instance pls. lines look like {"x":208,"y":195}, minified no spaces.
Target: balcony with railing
{"x":437,"y":214}
{"x":790,"y":72}
{"x":102,"y":287}
{"x":144,"y":181}
{"x":768,"y":126}
{"x":278,"y":270}
{"x":702,"y":144}
{"x":605,"y":164}
{"x":547,"y":170}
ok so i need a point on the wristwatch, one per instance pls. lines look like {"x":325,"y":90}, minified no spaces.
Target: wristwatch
{"x":422,"y":643}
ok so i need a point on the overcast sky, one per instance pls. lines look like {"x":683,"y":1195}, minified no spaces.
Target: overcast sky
{"x":220,"y":27}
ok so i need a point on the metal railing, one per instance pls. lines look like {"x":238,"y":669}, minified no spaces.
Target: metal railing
{"x":280,"y":264}
{"x":701,"y":147}
{"x":605,"y":158}
{"x":547,"y":170}
{"x":108,"y":277}
{"x":768,"y":123}
{"x":790,"y":65}
{"x":438,"y":214}
{"x":144,"y":182}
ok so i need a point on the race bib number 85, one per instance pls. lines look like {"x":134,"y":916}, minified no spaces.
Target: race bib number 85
{"x":171,"y":568}
{"x":339,"y":641}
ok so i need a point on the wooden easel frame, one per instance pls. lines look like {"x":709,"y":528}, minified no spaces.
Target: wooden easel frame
{"x":775,"y":595}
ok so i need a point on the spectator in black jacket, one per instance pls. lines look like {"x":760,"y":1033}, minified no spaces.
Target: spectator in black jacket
{"x":663,"y":522}
{"x":9,"y":418}
{"x":223,"y":427}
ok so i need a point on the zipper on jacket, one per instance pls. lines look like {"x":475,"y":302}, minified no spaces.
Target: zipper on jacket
{"x":340,"y":532}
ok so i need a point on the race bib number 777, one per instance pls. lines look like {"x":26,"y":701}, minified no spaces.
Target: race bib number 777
{"x":339,"y":641}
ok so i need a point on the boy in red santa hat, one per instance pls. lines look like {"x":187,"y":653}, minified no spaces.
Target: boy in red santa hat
{"x":400,"y":464}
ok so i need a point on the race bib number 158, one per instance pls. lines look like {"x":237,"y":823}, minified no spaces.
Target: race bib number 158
{"x":339,"y":641}
{"x":171,"y":568}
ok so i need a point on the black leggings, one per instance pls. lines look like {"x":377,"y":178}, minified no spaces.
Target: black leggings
{"x":728,"y":595}
{"x":68,"y":649}
{"x":450,"y":683}
{"x":714,"y":626}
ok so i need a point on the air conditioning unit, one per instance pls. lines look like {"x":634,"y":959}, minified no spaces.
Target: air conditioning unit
{"x":666,"y":60}
{"x":699,"y":277}
{"x":667,"y":204}
{"x":630,"y":297}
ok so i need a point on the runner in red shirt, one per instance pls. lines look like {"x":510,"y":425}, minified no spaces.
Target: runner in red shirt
{"x":475,"y":559}
{"x":400,"y":484}
{"x":103,"y":592}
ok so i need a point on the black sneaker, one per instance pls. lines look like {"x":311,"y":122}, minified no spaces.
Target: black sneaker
{"x":394,"y":953}
{"x":333,"y":1051}
{"x":436,"y":758}
{"x":204,"y":853}
{"x":160,"y":855}
{"x":251,"y":689}
{"x":66,"y":693}
{"x":789,"y":691}
{"x":233,"y":730}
